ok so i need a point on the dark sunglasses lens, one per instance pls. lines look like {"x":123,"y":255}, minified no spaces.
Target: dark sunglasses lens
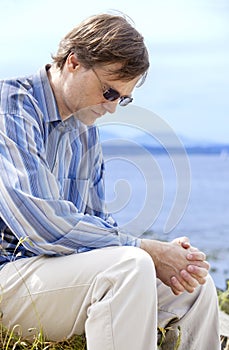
{"x":125,"y":100}
{"x":111,"y":94}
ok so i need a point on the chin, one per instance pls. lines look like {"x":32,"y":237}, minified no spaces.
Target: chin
{"x":87,"y":116}
{"x":87,"y":121}
{"x":90,"y":123}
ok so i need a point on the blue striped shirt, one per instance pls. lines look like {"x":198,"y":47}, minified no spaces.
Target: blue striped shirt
{"x":51,"y":177}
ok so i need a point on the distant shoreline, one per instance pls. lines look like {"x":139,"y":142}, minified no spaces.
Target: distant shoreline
{"x":110,"y":149}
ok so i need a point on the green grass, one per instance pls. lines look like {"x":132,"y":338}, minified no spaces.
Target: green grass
{"x":9,"y":340}
{"x":223,"y":297}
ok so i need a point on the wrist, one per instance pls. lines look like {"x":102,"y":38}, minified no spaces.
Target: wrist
{"x":143,"y":244}
{"x":153,"y":248}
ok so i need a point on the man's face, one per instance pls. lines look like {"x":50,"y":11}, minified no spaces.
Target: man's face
{"x":83,"y":91}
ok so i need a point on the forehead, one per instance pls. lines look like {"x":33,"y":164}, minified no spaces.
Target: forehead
{"x":107,"y":75}
{"x":110,"y":71}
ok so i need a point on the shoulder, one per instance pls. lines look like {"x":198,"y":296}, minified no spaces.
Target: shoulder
{"x":18,"y":101}
{"x":15,"y":94}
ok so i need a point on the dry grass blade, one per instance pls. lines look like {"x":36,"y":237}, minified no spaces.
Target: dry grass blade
{"x":10,"y":341}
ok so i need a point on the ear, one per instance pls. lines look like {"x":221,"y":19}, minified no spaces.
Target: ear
{"x":72,"y":62}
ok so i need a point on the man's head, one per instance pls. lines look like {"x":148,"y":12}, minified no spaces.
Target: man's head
{"x":105,"y":39}
{"x":99,"y":63}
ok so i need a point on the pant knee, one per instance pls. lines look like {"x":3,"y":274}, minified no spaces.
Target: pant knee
{"x":144,"y":262}
{"x":141,"y":268}
{"x":134,"y":267}
{"x":140,"y":261}
{"x":210,"y":289}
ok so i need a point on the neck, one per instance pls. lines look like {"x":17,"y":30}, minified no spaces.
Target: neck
{"x":55,"y":79}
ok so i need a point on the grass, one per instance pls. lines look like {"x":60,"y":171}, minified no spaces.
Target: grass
{"x":10,"y":340}
{"x":223,"y":297}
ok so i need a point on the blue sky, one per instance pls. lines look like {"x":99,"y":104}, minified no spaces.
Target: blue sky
{"x":188,"y":41}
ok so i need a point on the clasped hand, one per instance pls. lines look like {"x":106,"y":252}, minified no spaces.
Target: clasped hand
{"x":179,"y":265}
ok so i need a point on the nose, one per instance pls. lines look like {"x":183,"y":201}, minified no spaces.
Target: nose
{"x":110,"y":106}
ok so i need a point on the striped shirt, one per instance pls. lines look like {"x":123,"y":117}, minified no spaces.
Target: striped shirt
{"x":51,"y":177}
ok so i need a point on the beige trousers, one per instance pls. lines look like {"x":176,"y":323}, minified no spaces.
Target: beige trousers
{"x":111,"y":294}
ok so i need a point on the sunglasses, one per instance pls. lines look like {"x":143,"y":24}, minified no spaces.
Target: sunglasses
{"x":112,"y":95}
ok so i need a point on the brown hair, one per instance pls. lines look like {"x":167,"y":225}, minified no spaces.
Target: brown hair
{"x":106,"y":39}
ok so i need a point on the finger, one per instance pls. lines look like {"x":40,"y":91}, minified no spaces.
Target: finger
{"x":188,"y":281}
{"x":191,"y":284}
{"x":201,"y":280}
{"x":197,"y":271}
{"x":186,"y":245}
{"x":193,"y":249}
{"x":185,"y":282}
{"x":182,"y":240}
{"x":199,"y":265}
{"x":176,"y":286}
{"x":196,"y":255}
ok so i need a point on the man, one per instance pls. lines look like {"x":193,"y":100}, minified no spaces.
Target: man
{"x":66,"y":268}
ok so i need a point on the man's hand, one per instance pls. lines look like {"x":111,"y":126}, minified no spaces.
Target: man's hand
{"x":178,"y":264}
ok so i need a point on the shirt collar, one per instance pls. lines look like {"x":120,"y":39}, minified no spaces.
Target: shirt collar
{"x":44,"y":94}
{"x":47,"y":103}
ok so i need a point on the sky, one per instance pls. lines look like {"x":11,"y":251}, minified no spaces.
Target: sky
{"x":188,"y":43}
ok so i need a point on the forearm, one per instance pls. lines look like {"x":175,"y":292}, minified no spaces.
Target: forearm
{"x":55,"y":226}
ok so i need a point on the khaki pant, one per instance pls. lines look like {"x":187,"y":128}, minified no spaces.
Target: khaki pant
{"x":112,"y":295}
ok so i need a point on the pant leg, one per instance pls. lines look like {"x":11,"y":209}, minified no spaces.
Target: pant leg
{"x":108,"y":293}
{"x":196,"y":314}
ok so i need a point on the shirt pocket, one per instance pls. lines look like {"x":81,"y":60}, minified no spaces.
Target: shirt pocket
{"x":77,"y":192}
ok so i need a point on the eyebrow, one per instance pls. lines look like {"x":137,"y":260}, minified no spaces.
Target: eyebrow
{"x":106,"y":84}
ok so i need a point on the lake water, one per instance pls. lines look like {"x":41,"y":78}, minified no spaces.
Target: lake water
{"x":170,"y":196}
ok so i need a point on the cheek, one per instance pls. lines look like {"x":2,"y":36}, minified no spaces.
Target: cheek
{"x":68,"y":92}
{"x":82,"y":94}
{"x":90,"y":93}
{"x":73,"y":97}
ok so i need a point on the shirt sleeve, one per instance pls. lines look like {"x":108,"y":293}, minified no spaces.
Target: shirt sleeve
{"x":30,"y":200}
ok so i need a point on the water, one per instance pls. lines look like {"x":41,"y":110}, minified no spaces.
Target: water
{"x":141,"y":190}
